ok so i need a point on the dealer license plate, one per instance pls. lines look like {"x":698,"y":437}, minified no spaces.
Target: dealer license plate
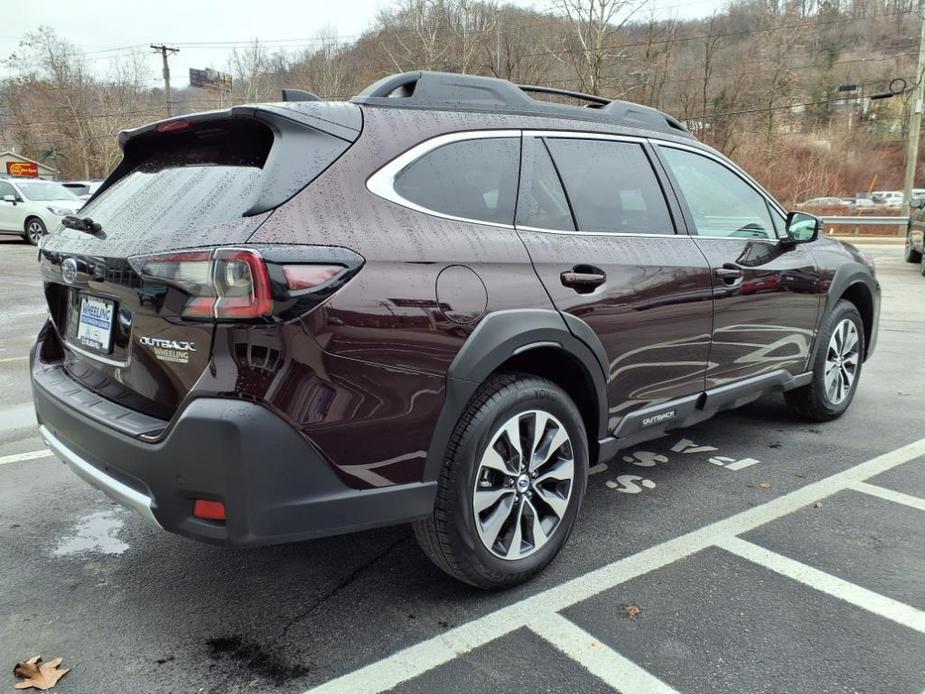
{"x":94,"y":329}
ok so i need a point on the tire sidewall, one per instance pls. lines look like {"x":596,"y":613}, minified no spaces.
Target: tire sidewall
{"x":842,"y":311}
{"x":535,"y":394}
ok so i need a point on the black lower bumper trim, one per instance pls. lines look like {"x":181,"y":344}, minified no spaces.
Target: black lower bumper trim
{"x":275,"y":485}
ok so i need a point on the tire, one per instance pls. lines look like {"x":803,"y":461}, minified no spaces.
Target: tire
{"x":452,"y":537}
{"x":910,"y":254}
{"x":922,"y":264}
{"x":34,"y":230}
{"x":823,"y":400}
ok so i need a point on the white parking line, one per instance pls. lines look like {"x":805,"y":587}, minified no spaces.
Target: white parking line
{"x":880,"y":605}
{"x":600,"y":660}
{"x":31,"y":455}
{"x":889,"y":495}
{"x":4,"y":360}
{"x":418,"y":659}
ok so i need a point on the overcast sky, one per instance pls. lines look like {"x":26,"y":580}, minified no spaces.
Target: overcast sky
{"x":106,"y":28}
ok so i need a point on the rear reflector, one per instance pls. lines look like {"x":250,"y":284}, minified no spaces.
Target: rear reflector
{"x":300,"y":277}
{"x":209,"y":510}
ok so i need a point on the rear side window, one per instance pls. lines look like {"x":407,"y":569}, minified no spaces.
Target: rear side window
{"x":472,"y":179}
{"x":612,"y":186}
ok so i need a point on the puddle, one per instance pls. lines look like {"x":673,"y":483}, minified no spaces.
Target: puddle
{"x":97,"y":533}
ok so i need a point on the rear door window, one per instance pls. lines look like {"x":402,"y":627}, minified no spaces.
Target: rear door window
{"x":612,"y":186}
{"x":472,"y":179}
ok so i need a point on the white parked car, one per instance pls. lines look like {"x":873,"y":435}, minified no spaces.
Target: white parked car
{"x":31,"y":207}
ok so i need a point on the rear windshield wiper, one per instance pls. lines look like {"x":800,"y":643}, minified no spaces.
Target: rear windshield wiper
{"x":82,"y":224}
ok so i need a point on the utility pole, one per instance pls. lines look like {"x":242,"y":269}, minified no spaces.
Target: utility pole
{"x":915,"y":118}
{"x":165,"y":51}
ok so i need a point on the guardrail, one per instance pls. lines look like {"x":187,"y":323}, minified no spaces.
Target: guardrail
{"x":867,"y":220}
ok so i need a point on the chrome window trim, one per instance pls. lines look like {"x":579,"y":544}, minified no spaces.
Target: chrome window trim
{"x":582,"y":135}
{"x":523,"y":227}
{"x":382,"y":182}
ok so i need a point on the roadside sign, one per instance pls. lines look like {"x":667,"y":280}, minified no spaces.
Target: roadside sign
{"x":210,"y":79}
{"x":28,"y":169}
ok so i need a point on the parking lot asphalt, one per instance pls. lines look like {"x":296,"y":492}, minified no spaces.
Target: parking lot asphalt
{"x":752,"y":553}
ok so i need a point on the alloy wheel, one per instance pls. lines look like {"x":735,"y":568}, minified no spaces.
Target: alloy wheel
{"x":842,"y":360}
{"x":523,"y":484}
{"x":35,"y":231}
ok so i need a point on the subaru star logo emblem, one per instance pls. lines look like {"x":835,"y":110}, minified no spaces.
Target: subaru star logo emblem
{"x":69,"y":270}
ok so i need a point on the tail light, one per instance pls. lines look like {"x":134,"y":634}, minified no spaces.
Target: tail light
{"x":225,"y":283}
{"x":237,"y":283}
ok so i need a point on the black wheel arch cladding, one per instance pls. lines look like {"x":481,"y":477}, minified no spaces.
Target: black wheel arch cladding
{"x":499,"y":337}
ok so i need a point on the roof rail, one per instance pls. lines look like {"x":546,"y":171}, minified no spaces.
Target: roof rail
{"x":450,"y":91}
{"x":597,"y":100}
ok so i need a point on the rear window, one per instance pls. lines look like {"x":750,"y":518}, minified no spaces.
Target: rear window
{"x":472,"y":179}
{"x":211,"y":174}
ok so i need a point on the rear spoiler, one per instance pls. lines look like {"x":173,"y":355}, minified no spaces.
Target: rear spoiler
{"x":335,"y":126}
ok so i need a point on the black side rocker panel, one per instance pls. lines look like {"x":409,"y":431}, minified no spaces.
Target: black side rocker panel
{"x":652,"y":422}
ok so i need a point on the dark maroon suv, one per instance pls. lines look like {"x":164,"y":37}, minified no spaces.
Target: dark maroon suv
{"x":440,"y":303}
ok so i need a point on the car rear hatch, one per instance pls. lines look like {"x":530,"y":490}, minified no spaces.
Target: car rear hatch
{"x":134,"y":297}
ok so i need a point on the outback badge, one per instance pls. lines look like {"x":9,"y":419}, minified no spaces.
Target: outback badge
{"x":176,"y":351}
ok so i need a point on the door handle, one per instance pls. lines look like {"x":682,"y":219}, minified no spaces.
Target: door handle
{"x":584,"y":279}
{"x":729,"y":273}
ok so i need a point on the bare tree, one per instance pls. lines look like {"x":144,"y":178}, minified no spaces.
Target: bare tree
{"x":250,"y":67}
{"x":413,"y":34}
{"x":592,"y":28}
{"x":470,"y":23}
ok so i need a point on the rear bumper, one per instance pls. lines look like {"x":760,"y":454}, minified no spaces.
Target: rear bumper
{"x":275,"y":485}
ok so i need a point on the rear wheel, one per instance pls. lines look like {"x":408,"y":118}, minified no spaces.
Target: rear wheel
{"x":911,"y":255}
{"x":512,"y":483}
{"x":836,"y":368}
{"x":34,"y":230}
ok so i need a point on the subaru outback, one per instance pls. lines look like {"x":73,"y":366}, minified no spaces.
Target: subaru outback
{"x":439,"y":303}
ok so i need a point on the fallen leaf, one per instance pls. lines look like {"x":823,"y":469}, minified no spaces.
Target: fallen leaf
{"x":632,"y":610}
{"x":764,"y":485}
{"x":39,"y":675}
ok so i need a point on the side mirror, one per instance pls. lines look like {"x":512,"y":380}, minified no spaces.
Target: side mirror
{"x":9,"y":198}
{"x":917,"y":203}
{"x":802,"y":228}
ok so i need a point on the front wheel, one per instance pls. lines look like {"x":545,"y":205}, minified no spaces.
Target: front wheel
{"x":34,"y":230}
{"x":512,"y":483}
{"x":836,"y":368}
